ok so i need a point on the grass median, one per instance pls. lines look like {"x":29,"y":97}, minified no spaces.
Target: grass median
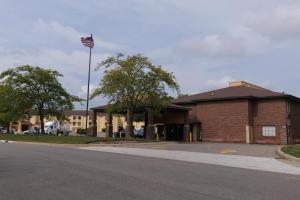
{"x":293,"y":150}
{"x":64,"y":139}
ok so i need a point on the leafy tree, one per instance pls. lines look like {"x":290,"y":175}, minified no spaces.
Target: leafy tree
{"x":12,"y":107}
{"x":132,"y":82}
{"x":40,"y":90}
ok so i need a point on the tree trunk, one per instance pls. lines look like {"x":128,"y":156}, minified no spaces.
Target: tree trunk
{"x":42,"y":122}
{"x":8,"y":127}
{"x":129,"y":131}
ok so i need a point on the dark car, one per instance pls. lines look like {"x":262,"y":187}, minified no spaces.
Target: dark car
{"x":138,"y":132}
{"x":120,"y":134}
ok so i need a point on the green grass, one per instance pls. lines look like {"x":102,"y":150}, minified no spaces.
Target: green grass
{"x":63,"y":139}
{"x":293,"y":150}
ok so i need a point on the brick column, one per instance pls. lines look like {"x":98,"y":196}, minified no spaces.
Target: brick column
{"x":283,"y":135}
{"x":249,"y":138}
{"x":150,"y":125}
{"x":186,"y":127}
{"x":109,"y":125}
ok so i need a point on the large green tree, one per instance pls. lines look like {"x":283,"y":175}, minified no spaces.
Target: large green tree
{"x":12,"y":107}
{"x":132,"y":82}
{"x":39,"y":89}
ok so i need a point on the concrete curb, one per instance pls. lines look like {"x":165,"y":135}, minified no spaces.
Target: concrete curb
{"x":286,"y":156}
{"x":6,"y":141}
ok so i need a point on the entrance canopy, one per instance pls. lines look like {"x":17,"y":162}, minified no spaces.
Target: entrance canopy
{"x":170,"y":114}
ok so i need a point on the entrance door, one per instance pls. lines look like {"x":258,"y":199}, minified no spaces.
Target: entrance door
{"x":174,"y":132}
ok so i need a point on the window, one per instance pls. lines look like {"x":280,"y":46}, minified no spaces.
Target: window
{"x":288,"y":107}
{"x":74,"y":117}
{"x":74,"y":124}
{"x":268,"y":131}
{"x":79,"y":117}
{"x":79,"y":123}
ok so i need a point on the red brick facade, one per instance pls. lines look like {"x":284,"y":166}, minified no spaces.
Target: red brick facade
{"x":244,"y":113}
{"x":270,"y":113}
{"x":223,"y":121}
{"x":227,"y":120}
{"x":294,"y":122}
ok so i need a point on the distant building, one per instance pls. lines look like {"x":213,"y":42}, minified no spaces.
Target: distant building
{"x":76,"y":121}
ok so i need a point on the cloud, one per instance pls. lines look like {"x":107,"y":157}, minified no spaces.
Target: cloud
{"x":83,"y":91}
{"x":212,"y":46}
{"x":237,"y":42}
{"x":69,"y":33}
{"x":219,"y":83}
{"x":281,"y":23}
{"x":76,"y":60}
{"x":72,"y":65}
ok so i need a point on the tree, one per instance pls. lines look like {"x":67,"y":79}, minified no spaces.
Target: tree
{"x":12,"y":107}
{"x":132,"y":82}
{"x":39,"y":89}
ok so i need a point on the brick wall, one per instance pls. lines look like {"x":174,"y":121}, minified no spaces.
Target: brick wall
{"x":269,"y":113}
{"x":226,"y":121}
{"x":294,"y":122}
{"x":223,"y":121}
{"x":171,"y":117}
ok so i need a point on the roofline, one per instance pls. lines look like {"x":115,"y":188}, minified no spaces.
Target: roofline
{"x":168,"y":107}
{"x":291,"y":97}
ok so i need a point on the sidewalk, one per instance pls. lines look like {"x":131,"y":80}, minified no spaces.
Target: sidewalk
{"x":239,"y":161}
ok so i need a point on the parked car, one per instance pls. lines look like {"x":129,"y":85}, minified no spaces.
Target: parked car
{"x":3,"y":130}
{"x":138,"y":132}
{"x":30,"y":132}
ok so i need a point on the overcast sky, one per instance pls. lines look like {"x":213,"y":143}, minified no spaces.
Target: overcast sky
{"x":206,"y":43}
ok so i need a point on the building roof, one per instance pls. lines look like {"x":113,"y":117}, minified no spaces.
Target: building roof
{"x":170,"y":106}
{"x":78,"y":113}
{"x":234,"y":91}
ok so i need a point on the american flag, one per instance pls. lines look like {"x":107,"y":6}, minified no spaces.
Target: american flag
{"x":88,"y":41}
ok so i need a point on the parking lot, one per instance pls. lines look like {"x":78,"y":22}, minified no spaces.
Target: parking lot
{"x":209,"y":147}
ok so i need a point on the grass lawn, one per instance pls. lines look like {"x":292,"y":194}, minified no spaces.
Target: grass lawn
{"x":62,"y":139}
{"x":293,"y":150}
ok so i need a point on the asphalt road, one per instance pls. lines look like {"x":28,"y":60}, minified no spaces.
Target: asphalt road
{"x":41,"y":172}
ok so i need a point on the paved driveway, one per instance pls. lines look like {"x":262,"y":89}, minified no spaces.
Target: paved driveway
{"x":208,"y":147}
{"x":45,"y":173}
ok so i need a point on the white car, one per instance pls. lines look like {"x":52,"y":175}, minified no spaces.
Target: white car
{"x":30,"y":132}
{"x":3,"y":130}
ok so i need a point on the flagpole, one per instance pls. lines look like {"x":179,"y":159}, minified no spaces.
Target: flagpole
{"x":88,"y":93}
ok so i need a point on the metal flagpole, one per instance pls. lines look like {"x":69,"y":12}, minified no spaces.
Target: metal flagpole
{"x":88,"y":93}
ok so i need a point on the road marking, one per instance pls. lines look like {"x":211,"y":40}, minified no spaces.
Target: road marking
{"x":226,"y":151}
{"x":246,"y":162}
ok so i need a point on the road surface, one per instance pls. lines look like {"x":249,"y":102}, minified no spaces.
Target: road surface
{"x":42,"y":172}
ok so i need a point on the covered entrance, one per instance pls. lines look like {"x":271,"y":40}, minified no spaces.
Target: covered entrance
{"x":172,"y":124}
{"x":174,"y":132}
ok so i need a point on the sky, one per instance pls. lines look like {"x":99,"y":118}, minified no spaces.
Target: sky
{"x":205,"y":43}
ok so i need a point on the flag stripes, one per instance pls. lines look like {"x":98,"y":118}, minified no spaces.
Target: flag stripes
{"x":87,"y":42}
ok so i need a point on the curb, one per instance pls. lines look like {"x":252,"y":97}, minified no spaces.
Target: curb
{"x":286,"y":156}
{"x":6,"y":141}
